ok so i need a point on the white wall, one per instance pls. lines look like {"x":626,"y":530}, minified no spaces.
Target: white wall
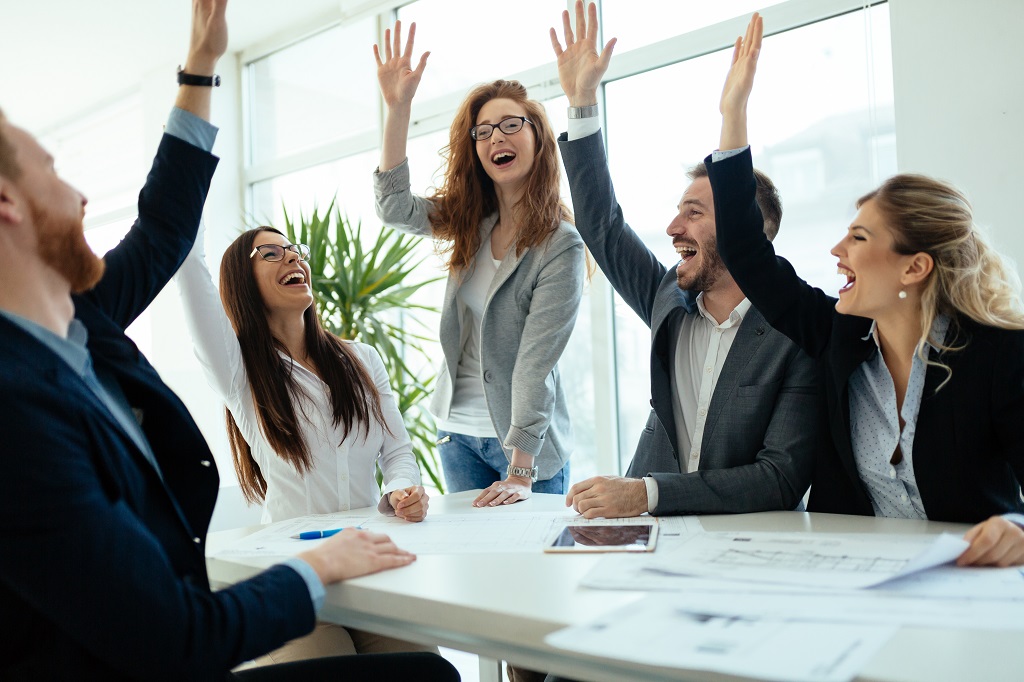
{"x":959,"y":87}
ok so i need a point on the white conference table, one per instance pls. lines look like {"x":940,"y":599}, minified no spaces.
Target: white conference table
{"x":501,"y":606}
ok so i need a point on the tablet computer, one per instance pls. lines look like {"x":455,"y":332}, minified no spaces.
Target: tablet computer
{"x":610,"y":537}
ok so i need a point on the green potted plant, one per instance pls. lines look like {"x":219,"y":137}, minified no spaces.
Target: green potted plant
{"x":363,"y":293}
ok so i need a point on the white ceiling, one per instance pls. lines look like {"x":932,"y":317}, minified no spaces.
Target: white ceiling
{"x":61,"y":57}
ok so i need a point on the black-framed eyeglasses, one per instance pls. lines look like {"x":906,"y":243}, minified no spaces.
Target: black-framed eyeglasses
{"x":272,"y":253}
{"x":509,"y":126}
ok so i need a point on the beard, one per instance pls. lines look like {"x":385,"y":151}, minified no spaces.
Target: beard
{"x":62,"y":246}
{"x":711,"y":268}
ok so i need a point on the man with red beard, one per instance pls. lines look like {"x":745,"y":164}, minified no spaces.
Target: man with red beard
{"x":106,"y":484}
{"x":735,"y":420}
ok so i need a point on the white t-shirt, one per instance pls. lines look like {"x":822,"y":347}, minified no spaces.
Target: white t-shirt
{"x":469,"y":414}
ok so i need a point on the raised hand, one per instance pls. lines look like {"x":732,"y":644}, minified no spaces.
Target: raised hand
{"x":580,"y":67}
{"x":207,"y":44}
{"x":738,"y":85}
{"x":398,"y":80}
{"x":209,"y":40}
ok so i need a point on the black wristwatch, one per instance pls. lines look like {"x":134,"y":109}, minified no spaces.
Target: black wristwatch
{"x":192,"y":79}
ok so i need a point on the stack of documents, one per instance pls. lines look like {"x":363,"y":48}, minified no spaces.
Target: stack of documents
{"x":790,"y":606}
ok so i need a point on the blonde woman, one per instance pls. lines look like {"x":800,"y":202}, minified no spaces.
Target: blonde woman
{"x":922,"y":354}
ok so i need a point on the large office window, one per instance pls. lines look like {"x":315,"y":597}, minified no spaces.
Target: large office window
{"x":821,"y":126}
{"x":313,"y":92}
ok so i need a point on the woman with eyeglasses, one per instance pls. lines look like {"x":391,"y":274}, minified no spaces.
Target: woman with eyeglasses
{"x":515,"y":278}
{"x":921,"y":354}
{"x":309,"y":415}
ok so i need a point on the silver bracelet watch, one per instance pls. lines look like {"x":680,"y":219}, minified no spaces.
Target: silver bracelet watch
{"x":522,"y":472}
{"x":589,"y":111}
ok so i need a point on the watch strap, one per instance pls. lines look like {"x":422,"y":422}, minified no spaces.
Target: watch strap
{"x":192,"y":79}
{"x":522,"y":472}
{"x":589,"y":111}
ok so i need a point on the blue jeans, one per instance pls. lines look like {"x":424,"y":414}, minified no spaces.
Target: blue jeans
{"x":470,"y":463}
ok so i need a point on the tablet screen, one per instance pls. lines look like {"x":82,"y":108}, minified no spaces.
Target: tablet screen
{"x":605,"y":538}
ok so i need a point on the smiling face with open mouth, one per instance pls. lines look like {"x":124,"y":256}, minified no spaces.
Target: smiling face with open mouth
{"x":507,"y":158}
{"x":693,"y":236}
{"x":284,"y":285}
{"x":870,"y":265}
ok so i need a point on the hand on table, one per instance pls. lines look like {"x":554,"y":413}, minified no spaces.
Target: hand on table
{"x":512,"y":489}
{"x":609,"y":497}
{"x":352,"y":553}
{"x":995,"y":542}
{"x":409,"y":503}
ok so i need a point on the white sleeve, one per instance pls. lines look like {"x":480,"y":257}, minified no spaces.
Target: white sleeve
{"x":578,"y":128}
{"x":397,"y":462}
{"x":216,"y":345}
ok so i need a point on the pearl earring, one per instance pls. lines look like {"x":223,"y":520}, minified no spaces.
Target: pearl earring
{"x":902,"y":294}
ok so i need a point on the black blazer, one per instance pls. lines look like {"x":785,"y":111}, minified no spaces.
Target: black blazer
{"x":102,"y":567}
{"x":968,"y":459}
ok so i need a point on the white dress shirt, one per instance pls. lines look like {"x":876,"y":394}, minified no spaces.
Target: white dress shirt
{"x":342,"y":473}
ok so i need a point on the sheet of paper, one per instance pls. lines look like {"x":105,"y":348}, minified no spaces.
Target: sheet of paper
{"x":477,"y":531}
{"x":276,"y":538}
{"x":955,"y":582}
{"x":656,"y":631}
{"x":807,"y":559}
{"x":861,"y":606}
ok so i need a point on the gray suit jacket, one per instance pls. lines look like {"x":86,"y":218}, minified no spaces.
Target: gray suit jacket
{"x":528,"y":318}
{"x":760,"y":435}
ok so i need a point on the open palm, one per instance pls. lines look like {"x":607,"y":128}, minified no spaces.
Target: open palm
{"x":398,"y":80}
{"x":580,"y":67}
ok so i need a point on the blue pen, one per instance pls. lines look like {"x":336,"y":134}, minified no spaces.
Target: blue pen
{"x":317,"y":534}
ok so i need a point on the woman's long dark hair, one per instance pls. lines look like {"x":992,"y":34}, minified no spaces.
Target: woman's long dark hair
{"x":351,"y":392}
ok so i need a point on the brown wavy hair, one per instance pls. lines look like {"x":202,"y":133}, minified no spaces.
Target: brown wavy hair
{"x":467,"y":194}
{"x":352,"y":394}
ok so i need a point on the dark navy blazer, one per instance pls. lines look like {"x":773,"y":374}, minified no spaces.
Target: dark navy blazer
{"x":102,"y":568}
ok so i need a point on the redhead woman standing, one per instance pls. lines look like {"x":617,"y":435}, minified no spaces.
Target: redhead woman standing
{"x":516,"y":269}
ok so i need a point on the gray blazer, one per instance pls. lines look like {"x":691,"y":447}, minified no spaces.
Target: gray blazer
{"x":762,"y":428}
{"x":528,"y":317}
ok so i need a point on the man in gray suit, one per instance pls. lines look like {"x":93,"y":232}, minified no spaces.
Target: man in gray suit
{"x":735,"y":419}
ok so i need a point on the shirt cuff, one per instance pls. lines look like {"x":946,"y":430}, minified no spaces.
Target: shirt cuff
{"x":582,"y":127}
{"x":652,"y":493}
{"x":718,"y":155}
{"x":188,"y":127}
{"x":317,"y":593}
{"x":1015,"y":518}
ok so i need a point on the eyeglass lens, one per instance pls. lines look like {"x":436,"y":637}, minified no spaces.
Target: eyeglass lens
{"x":275,"y":252}
{"x":509,"y":126}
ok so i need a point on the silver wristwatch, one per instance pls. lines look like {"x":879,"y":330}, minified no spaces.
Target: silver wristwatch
{"x":522,"y":472}
{"x":589,"y":111}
